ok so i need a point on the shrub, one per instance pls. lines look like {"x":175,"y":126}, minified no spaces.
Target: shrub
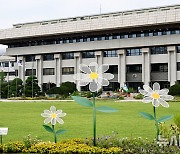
{"x":130,"y":90}
{"x":54,"y":90}
{"x":29,"y":141}
{"x":13,"y":147}
{"x":139,"y":96}
{"x":175,"y":89}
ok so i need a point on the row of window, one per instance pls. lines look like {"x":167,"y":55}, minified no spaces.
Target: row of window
{"x":112,"y":69}
{"x":108,"y":53}
{"x":147,"y":33}
{"x":154,"y":68}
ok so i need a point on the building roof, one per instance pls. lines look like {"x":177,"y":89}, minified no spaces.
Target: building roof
{"x":115,"y":20}
{"x":4,"y":58}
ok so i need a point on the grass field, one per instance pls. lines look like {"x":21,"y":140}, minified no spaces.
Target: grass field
{"x":23,"y":118}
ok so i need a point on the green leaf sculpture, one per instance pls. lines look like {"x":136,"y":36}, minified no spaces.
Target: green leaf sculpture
{"x":165,"y":118}
{"x":83,"y":101}
{"x":147,"y":115}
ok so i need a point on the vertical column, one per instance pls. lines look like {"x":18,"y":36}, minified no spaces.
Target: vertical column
{"x":99,"y":57}
{"x":78,"y":61}
{"x":39,"y":70}
{"x":121,"y":67}
{"x":146,"y":66}
{"x":58,"y":69}
{"x":21,"y":69}
{"x":172,"y":65}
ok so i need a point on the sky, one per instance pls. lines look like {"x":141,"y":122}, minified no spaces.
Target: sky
{"x":22,"y":11}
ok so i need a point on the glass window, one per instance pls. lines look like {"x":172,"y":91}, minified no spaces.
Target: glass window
{"x":67,"y":70}
{"x":178,"y":66}
{"x":48,"y":57}
{"x":30,"y":58}
{"x":158,"y":50}
{"x":48,"y":71}
{"x":88,"y":54}
{"x":5,"y":64}
{"x":178,"y":49}
{"x":159,"y":67}
{"x":111,"y":53}
{"x":12,"y":73}
{"x":68,"y":55}
{"x":133,"y":52}
{"x":30,"y":72}
{"x":134,"y":68}
{"x":113,"y":69}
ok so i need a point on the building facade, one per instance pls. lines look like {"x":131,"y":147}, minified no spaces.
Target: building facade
{"x":140,"y":46}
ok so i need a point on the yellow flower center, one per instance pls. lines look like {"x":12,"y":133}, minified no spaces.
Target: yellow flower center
{"x":93,"y":75}
{"x":53,"y":115}
{"x":155,"y":95}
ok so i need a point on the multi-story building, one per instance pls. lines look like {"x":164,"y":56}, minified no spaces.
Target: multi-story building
{"x":141,"y":46}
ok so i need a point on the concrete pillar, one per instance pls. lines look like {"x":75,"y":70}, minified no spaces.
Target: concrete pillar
{"x":21,"y":69}
{"x":78,"y":61}
{"x":146,"y":66}
{"x":121,"y":67}
{"x":39,"y":70}
{"x":99,"y":57}
{"x":172,"y":65}
{"x":58,"y":69}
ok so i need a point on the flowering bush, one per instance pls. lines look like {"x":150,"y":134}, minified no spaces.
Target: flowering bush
{"x":124,"y":146}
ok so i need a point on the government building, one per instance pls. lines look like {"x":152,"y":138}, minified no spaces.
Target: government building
{"x":140,"y":46}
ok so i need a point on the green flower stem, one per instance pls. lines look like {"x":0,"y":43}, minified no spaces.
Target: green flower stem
{"x":55,"y":138}
{"x":156,"y":123}
{"x":94,"y":119}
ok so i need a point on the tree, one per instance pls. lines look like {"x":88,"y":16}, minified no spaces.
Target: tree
{"x":31,"y":87}
{"x":16,"y":88}
{"x":3,"y":85}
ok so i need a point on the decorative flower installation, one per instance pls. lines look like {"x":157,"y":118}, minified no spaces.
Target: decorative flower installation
{"x":51,"y":117}
{"x":157,"y":97}
{"x":96,"y":78}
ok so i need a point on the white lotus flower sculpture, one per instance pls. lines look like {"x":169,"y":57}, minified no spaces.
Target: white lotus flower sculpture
{"x":96,"y":78}
{"x":157,"y":97}
{"x":51,"y":117}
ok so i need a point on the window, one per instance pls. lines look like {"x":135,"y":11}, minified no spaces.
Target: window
{"x":158,"y":50}
{"x":67,"y":70}
{"x":30,"y":58}
{"x":159,"y":67}
{"x":68,"y":55}
{"x":111,"y":53}
{"x":12,"y":73}
{"x":88,"y":54}
{"x":178,"y":66}
{"x":48,"y":71}
{"x":134,"y":68}
{"x":5,"y":64}
{"x":113,"y":69}
{"x":30,"y":72}
{"x":133,"y":52}
{"x":48,"y":57}
{"x":178,"y":49}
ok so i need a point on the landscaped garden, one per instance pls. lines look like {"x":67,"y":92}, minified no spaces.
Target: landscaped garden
{"x":23,"y":118}
{"x":91,"y":123}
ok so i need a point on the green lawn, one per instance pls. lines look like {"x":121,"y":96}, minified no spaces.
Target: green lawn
{"x":24,"y":118}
